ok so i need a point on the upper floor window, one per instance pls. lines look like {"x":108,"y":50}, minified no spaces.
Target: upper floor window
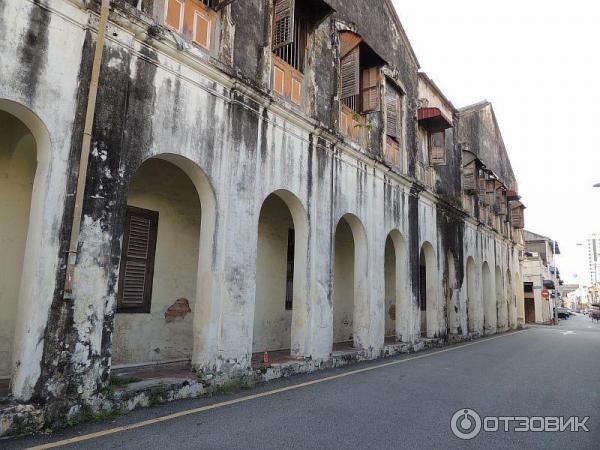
{"x":359,"y":74}
{"x":437,"y":148}
{"x":290,"y":33}
{"x":393,"y":101}
{"x":293,"y":21}
{"x":434,"y":122}
{"x":471,"y":177}
{"x":394,"y":113}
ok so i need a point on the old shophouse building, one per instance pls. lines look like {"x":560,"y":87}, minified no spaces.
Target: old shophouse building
{"x":262,"y":176}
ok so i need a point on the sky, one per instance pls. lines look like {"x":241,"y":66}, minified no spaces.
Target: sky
{"x":538,"y":62}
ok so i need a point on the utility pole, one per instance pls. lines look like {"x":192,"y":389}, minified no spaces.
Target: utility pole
{"x":555,"y":289}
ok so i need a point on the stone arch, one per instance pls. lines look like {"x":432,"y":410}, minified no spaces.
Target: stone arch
{"x":183,"y":317}
{"x":351,"y":316}
{"x":428,"y":291}
{"x":25,"y":152}
{"x":396,"y":300}
{"x":449,"y":289}
{"x":489,"y":299}
{"x":281,"y":300}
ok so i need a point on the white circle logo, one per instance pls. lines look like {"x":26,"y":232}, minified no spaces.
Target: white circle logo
{"x":465,"y":424}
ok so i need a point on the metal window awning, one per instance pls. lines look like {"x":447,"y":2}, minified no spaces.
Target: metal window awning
{"x":433,"y":119}
{"x":512,"y":195}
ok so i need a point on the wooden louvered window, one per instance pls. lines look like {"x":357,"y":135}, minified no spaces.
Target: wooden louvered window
{"x":290,"y":33}
{"x":437,"y":148}
{"x":283,"y":22}
{"x":470,"y":181}
{"x":393,"y":108}
{"x":350,"y":79}
{"x":137,"y":261}
{"x":370,"y":89}
{"x":482,"y":186}
{"x":490,"y":192}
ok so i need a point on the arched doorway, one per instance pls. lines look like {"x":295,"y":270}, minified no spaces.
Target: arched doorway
{"x":450,"y":294}
{"x":395,"y":307}
{"x":473,"y":300}
{"x":427,"y":290}
{"x":500,"y":302}
{"x":280,"y":314}
{"x":350,"y":311}
{"x":18,"y":165}
{"x":164,"y":313}
{"x":489,"y":300}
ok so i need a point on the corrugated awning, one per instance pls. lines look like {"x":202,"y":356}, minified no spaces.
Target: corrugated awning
{"x":433,"y":119}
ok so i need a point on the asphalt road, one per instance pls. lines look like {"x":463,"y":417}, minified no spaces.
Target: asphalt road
{"x":543,"y":371}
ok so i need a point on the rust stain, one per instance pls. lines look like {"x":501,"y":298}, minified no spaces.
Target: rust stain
{"x":392,"y":311}
{"x":180,"y":308}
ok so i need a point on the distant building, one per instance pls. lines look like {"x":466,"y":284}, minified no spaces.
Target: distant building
{"x":540,"y":275}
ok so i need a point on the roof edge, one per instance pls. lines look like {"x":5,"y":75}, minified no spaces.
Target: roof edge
{"x":403,"y":34}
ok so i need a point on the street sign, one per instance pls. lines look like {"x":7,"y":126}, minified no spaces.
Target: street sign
{"x":545,"y":294}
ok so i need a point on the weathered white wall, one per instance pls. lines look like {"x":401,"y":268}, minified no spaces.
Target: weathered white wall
{"x":17,"y":172}
{"x":142,"y":338}
{"x":218,"y":138}
{"x":272,"y":323}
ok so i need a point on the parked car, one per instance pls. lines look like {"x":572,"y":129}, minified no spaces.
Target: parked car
{"x":563,"y":313}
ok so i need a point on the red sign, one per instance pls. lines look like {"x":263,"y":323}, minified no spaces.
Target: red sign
{"x":546,"y":293}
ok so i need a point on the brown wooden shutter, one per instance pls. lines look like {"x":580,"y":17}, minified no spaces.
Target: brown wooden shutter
{"x":137,"y":261}
{"x":392,"y":153}
{"x":370,"y":89}
{"x":503,"y":204}
{"x":470,"y":177}
{"x":517,"y":215}
{"x":481,"y":182}
{"x":174,"y":14}
{"x":490,"y":192}
{"x":437,"y":156}
{"x":350,"y":74}
{"x":283,"y":23}
{"x":392,"y":100}
{"x":202,"y":29}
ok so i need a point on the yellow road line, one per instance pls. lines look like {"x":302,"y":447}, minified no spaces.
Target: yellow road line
{"x":189,"y":412}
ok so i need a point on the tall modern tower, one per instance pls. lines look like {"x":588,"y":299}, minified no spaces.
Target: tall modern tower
{"x":594,"y":257}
